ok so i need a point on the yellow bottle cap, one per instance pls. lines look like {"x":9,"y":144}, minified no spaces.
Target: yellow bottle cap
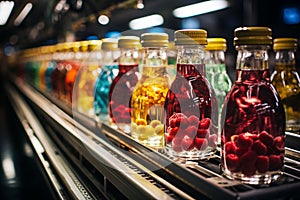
{"x":216,"y":44}
{"x":252,"y":36}
{"x":155,"y":40}
{"x":285,"y":44}
{"x":190,"y":37}
{"x":94,"y":45}
{"x":76,"y":46}
{"x":129,"y":42}
{"x":110,"y":44}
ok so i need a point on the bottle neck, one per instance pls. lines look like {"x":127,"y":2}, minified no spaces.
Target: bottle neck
{"x":285,"y":60}
{"x":190,"y":60}
{"x":252,"y":57}
{"x":154,"y":62}
{"x":128,"y":60}
{"x":110,"y":57}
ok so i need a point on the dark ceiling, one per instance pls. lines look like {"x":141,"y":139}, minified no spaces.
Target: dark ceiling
{"x":45,"y":24}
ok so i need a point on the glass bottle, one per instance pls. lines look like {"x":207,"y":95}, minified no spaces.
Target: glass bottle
{"x":216,"y":71}
{"x":286,"y":80}
{"x":47,"y":57}
{"x":148,"y":98}
{"x":72,"y":65}
{"x":253,"y":118}
{"x":83,"y":96}
{"x":109,"y":71}
{"x":121,"y":89}
{"x":52,"y":64}
{"x":191,"y":107}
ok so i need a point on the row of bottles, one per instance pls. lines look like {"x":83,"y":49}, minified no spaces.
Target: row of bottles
{"x":130,"y":83}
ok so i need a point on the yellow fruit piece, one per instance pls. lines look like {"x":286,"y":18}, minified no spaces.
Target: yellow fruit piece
{"x":141,"y":122}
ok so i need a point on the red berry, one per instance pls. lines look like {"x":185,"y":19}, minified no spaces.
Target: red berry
{"x":187,"y":143}
{"x":266,"y":138}
{"x":279,"y":143}
{"x":275,"y":162}
{"x":172,"y":123}
{"x":202,"y":133}
{"x":201,"y":143}
{"x":193,"y":120}
{"x":247,"y":163}
{"x":212,"y":140}
{"x":248,"y":159}
{"x":173,"y":131}
{"x":230,"y":147}
{"x":191,"y":131}
{"x":260,"y":148}
{"x":262,"y":164}
{"x":204,"y":123}
{"x":248,"y":171}
{"x":243,"y":141}
{"x":182,"y":122}
{"x":168,"y":138}
{"x":240,"y":151}
{"x":232,"y":162}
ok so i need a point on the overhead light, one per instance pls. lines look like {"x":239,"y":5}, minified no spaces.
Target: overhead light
{"x":146,"y":22}
{"x":23,"y":14}
{"x":200,"y":8}
{"x":103,"y":19}
{"x":5,"y":10}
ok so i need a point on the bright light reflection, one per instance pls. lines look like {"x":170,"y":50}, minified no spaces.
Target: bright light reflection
{"x":200,"y":8}
{"x":5,"y":10}
{"x":146,"y":22}
{"x":23,"y":14}
{"x":8,"y":168}
{"x":103,"y":19}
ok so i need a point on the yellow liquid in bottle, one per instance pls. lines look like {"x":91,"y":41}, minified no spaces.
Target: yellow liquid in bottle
{"x":85,"y":89}
{"x":147,"y":111}
{"x":288,"y":86}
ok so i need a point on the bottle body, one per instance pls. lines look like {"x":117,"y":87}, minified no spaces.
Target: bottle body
{"x":253,"y":121}
{"x":191,"y":110}
{"x":83,"y":98}
{"x":104,"y":80}
{"x":121,"y":89}
{"x":148,"y":98}
{"x":286,"y":80}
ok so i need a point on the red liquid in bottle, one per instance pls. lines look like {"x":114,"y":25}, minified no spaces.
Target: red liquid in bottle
{"x":120,"y":95}
{"x":254,"y":124}
{"x":191,"y":117}
{"x":57,"y":80}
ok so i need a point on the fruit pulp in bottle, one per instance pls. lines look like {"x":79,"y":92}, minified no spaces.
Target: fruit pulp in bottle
{"x":147,"y":107}
{"x":120,"y":96}
{"x":102,"y":85}
{"x":253,"y":132}
{"x":287,"y":84}
{"x":191,"y":128}
{"x":72,"y":70}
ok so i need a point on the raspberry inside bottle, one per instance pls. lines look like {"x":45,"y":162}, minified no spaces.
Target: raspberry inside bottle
{"x":253,"y":118}
{"x":191,"y":107}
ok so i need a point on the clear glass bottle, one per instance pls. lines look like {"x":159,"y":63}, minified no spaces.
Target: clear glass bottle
{"x":52,"y":64}
{"x":253,"y":118}
{"x":216,"y":71}
{"x":83,"y":96}
{"x":148,"y":98}
{"x":286,"y":80}
{"x":191,"y":107}
{"x":121,"y":89}
{"x":109,"y":71}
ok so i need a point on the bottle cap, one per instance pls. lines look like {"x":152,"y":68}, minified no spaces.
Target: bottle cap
{"x":252,"y":36}
{"x":155,"y":40}
{"x":76,"y":46}
{"x":94,"y":45}
{"x":110,"y":44}
{"x":285,"y":44}
{"x":190,"y":37}
{"x":129,"y":42}
{"x":216,"y":44}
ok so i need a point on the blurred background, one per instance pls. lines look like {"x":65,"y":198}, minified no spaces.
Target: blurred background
{"x":31,"y":23}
